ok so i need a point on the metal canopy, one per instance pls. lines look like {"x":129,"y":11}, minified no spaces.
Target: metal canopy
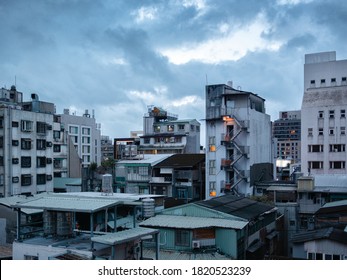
{"x":73,"y":204}
{"x":123,"y":236}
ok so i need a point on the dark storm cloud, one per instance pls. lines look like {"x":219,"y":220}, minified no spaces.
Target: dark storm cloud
{"x":109,"y":55}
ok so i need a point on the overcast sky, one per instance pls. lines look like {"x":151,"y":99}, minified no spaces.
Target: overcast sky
{"x":117,"y":57}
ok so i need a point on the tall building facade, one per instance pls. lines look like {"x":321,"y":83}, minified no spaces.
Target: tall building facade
{"x":287,"y":132}
{"x":323,"y":114}
{"x":238,"y":135}
{"x":85,"y":135}
{"x":26,"y":144}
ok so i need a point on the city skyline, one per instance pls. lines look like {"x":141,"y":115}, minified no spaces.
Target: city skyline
{"x":118,"y":57}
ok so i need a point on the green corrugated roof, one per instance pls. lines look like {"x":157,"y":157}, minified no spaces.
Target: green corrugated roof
{"x":189,"y":222}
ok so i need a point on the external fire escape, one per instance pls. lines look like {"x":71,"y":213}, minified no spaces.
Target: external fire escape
{"x":235,"y":153}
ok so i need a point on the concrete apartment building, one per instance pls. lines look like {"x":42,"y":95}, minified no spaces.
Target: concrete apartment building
{"x":26,"y":144}
{"x":164,"y":133}
{"x":323,"y":114}
{"x":238,"y":138}
{"x":85,"y":135}
{"x":287,"y":131}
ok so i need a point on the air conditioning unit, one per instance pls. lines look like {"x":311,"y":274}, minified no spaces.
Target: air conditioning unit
{"x":196,"y":244}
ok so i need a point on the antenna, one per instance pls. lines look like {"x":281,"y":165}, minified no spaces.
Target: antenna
{"x":206,"y":80}
{"x":15,"y":81}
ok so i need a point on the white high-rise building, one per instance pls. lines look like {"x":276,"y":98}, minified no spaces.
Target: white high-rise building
{"x":26,"y":144}
{"x":85,"y":135}
{"x":238,"y":139}
{"x":323,"y":115}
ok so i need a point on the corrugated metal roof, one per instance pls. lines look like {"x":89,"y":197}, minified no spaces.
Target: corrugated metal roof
{"x":8,"y":201}
{"x":335,"y":203}
{"x":238,"y":206}
{"x":325,"y":233}
{"x":188,"y":222}
{"x":330,"y":181}
{"x":74,"y":204}
{"x":123,"y":236}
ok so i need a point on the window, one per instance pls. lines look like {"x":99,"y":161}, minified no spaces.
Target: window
{"x":315,"y":148}
{"x":212,"y":166}
{"x":40,"y":144}
{"x":212,"y":188}
{"x":320,"y":131}
{"x":315,"y":164}
{"x":26,"y":126}
{"x":41,"y":127}
{"x":157,"y":128}
{"x":343,"y":80}
{"x":25,"y":162}
{"x":181,"y":127}
{"x":182,"y":238}
{"x":85,"y":139}
{"x":343,"y":113}
{"x":56,"y":135}
{"x":146,"y":140}
{"x":15,"y":143}
{"x":343,"y":130}
{"x":313,"y":83}
{"x":331,"y":114}
{"x":1,"y":123}
{"x":170,"y":128}
{"x":41,"y":161}
{"x":49,"y":177}
{"x":49,"y":160}
{"x":1,"y":161}
{"x":1,"y":142}
{"x":321,"y":114}
{"x":191,"y":127}
{"x":333,"y":80}
{"x":56,"y":148}
{"x":86,"y":131}
{"x":322,"y":82}
{"x":25,"y":144}
{"x":337,"y":148}
{"x":41,"y":179}
{"x":15,"y":160}
{"x":337,"y":164}
{"x":310,"y":131}
{"x":15,"y":124}
{"x":25,"y":179}
{"x":331,"y":131}
{"x":73,"y":130}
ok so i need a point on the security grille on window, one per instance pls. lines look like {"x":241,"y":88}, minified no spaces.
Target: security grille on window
{"x":41,"y":162}
{"x":26,"y":144}
{"x":25,"y":180}
{"x":25,"y":162}
{"x":41,"y":127}
{"x":26,"y":126}
{"x":41,"y":144}
{"x":41,"y":179}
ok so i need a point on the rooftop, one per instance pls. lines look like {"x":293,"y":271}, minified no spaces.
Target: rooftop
{"x":182,"y":160}
{"x":190,"y":222}
{"x":238,"y":206}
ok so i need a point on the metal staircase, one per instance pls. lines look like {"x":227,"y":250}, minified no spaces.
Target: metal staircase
{"x":238,"y":153}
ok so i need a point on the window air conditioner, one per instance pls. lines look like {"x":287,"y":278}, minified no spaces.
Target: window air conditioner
{"x":196,"y":244}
